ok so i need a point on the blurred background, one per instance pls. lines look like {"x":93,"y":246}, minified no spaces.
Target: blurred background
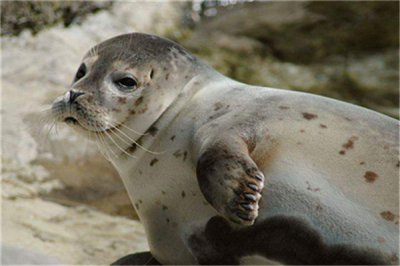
{"x":60,"y":197}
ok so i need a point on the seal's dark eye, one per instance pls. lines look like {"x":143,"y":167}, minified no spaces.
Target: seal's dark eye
{"x":81,"y":72}
{"x":126,"y":83}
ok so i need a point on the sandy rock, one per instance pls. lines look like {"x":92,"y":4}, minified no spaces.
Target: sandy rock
{"x":74,"y":235}
{"x":11,"y":255}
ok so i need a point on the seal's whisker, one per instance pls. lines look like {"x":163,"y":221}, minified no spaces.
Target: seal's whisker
{"x":103,"y":141}
{"x":121,"y":138}
{"x":134,"y":131}
{"x":119,"y":147}
{"x":116,"y":144}
{"x":115,"y":123}
{"x":136,"y":143}
{"x":51,"y":127}
{"x":116,"y":134}
{"x":41,"y":124}
{"x":100,"y":142}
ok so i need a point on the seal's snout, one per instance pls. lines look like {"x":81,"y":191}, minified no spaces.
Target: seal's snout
{"x":73,"y":95}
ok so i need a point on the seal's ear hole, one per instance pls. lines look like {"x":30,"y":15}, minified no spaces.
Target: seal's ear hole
{"x":151,"y":74}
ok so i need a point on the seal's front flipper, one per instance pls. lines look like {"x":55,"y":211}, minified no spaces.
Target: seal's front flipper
{"x":229,"y":179}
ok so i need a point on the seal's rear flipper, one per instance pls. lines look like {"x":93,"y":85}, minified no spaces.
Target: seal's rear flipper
{"x":142,"y":258}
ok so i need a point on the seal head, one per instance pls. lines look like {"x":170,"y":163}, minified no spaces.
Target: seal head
{"x":129,"y":77}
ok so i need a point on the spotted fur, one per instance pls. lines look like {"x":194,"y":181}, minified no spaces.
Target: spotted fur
{"x":224,"y":172}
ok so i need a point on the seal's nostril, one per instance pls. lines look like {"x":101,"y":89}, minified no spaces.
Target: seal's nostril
{"x":73,"y":95}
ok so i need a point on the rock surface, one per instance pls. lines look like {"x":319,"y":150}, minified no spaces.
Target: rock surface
{"x":70,"y":235}
{"x":41,"y":14}
{"x":344,"y":50}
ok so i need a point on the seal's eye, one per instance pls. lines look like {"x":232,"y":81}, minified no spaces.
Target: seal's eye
{"x":126,"y":83}
{"x":81,"y":72}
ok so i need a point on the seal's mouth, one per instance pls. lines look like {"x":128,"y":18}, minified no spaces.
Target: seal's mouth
{"x":71,"y":120}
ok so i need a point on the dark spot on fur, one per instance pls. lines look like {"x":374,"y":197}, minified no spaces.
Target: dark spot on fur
{"x":350,"y":143}
{"x":184,"y":155}
{"x":132,"y":148}
{"x":163,"y":192}
{"x":164,"y":207}
{"x":152,"y":130}
{"x":152,"y":73}
{"x":342,"y":152}
{"x":284,"y":107}
{"x":310,"y":188}
{"x":322,"y":126}
{"x":140,"y":201}
{"x":183,"y":194}
{"x":167,"y":76}
{"x":348,"y":119}
{"x":177,"y":153}
{"x":137,"y":206}
{"x":172,"y":138}
{"x":116,"y":110}
{"x":309,"y":116}
{"x":89,"y":98}
{"x":217,"y":106}
{"x":385,"y":147}
{"x":167,"y":220}
{"x":370,"y":176}
{"x":121,"y":100}
{"x":140,"y":172}
{"x":144,"y":109}
{"x":132,"y":112}
{"x":155,"y":160}
{"x":302,"y":130}
{"x":388,"y":215}
{"x":139,"y":101}
{"x":398,"y":164}
{"x":362,"y":163}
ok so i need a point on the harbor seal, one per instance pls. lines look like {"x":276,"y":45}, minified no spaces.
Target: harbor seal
{"x":221,"y":172}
